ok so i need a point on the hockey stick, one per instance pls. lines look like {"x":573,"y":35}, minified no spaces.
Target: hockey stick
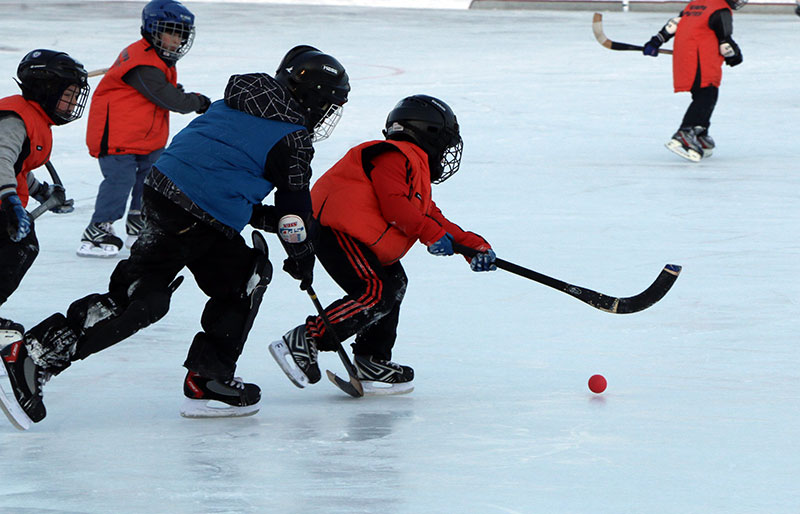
{"x":597,"y":28}
{"x":97,"y":73}
{"x":612,"y":304}
{"x":54,"y":201}
{"x":353,"y":387}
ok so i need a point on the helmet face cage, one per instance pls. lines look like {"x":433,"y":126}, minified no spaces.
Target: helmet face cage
{"x":451,"y":161}
{"x":736,"y":4}
{"x":172,"y":39}
{"x":69,"y":105}
{"x":324,"y":127}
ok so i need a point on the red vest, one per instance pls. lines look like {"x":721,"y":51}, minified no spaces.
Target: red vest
{"x":695,"y":43}
{"x":37,"y":125}
{"x":344,"y":200}
{"x":131,"y":123}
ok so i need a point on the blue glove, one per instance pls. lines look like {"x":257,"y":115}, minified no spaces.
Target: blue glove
{"x":444,"y":246}
{"x":18,"y":222}
{"x":484,"y":261}
{"x":651,"y":47}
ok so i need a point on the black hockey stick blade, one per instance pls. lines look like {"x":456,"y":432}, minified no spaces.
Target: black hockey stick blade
{"x":597,"y":28}
{"x":353,"y":387}
{"x":612,"y":304}
{"x":48,"y":204}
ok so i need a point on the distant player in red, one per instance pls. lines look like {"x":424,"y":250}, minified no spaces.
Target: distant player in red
{"x":703,"y":42}
{"x":370,"y":208}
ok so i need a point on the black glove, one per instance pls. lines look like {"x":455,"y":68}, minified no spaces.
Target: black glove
{"x":301,"y":269}
{"x":18,"y":222}
{"x":265,"y":217}
{"x":797,"y":10}
{"x":731,"y":51}
{"x":652,"y":46}
{"x":205,"y":103}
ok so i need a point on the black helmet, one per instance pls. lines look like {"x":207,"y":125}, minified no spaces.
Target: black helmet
{"x":430,"y":124}
{"x":320,"y":85}
{"x":46,"y":75}
{"x":736,"y":4}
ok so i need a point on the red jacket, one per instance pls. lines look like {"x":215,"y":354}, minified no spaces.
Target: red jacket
{"x":122,"y":120}
{"x":696,"y":43}
{"x":37,"y":124}
{"x":383,"y":199}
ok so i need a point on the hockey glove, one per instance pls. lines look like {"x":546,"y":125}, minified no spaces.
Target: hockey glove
{"x":731,"y":52}
{"x":301,"y":269}
{"x":484,"y":261}
{"x":265,"y":217}
{"x":652,"y":46}
{"x":18,"y":222}
{"x":797,"y":10}
{"x":443,"y":246}
{"x":46,"y":191}
{"x":205,"y":103}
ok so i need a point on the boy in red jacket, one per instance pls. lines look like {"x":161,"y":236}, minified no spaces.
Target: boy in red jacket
{"x":369,"y":209}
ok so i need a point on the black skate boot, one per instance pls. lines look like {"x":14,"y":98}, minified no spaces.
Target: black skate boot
{"x":209,"y":398}
{"x":684,"y":143}
{"x":705,"y":140}
{"x":99,"y":240}
{"x":383,"y":377}
{"x":296,"y":354}
{"x":133,"y":227}
{"x":21,"y":383}
{"x":10,"y":332}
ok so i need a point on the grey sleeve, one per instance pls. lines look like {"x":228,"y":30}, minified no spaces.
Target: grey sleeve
{"x":12,"y":138}
{"x":153,"y":84}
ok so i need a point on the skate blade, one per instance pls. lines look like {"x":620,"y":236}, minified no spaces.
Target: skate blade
{"x":675,"y":146}
{"x":102,"y":251}
{"x":215,"y":409}
{"x":10,"y":405}
{"x":372,"y":388}
{"x":280,"y":352}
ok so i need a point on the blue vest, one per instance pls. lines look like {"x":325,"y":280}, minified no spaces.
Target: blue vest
{"x":218,"y":161}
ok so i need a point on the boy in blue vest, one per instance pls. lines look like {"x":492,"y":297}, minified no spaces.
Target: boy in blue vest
{"x":208,"y":184}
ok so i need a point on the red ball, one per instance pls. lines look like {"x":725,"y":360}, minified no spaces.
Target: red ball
{"x":597,"y":383}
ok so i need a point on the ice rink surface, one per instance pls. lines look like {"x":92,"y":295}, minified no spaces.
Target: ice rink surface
{"x":565,"y":172}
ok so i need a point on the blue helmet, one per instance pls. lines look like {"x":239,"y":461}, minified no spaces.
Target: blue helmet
{"x":169,"y":27}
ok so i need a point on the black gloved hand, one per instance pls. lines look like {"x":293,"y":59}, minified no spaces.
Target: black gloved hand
{"x":205,"y":103}
{"x":18,"y":222}
{"x":652,"y":46}
{"x":730,"y":50}
{"x":265,"y":217}
{"x":301,"y":269}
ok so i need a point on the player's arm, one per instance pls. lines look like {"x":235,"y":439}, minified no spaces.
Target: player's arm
{"x":153,"y":85}
{"x":721,"y":22}
{"x":12,"y":139}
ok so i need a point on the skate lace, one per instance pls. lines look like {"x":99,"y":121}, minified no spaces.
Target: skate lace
{"x":42,"y":378}
{"x":236,"y":383}
{"x":106,"y":227}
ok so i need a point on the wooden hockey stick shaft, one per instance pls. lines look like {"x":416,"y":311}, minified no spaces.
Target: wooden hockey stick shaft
{"x":97,"y":73}
{"x":597,"y":28}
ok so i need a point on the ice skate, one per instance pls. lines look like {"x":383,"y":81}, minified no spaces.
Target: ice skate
{"x":21,"y":382}
{"x":208,"y":398}
{"x":99,"y":240}
{"x":10,"y":332}
{"x":705,"y":140}
{"x":380,"y":377}
{"x":296,"y":354}
{"x":684,"y":143}
{"x":133,"y":226}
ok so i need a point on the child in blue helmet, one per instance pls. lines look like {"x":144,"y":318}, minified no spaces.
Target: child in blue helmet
{"x":128,"y":123}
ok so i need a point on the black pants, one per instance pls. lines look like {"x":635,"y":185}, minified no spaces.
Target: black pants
{"x":15,"y":259}
{"x":139,"y":295}
{"x":370,"y":310}
{"x":704,"y":99}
